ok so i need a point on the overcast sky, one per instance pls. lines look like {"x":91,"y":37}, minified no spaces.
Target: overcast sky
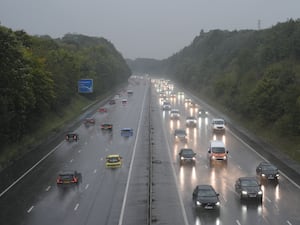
{"x":140,"y":28}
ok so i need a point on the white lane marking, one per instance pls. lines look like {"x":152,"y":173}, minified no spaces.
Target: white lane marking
{"x":48,"y":188}
{"x":29,"y":170}
{"x":253,"y":150}
{"x":79,"y":151}
{"x":95,"y":171}
{"x":101,"y":159}
{"x":30,"y":209}
{"x":71,"y":160}
{"x":87,"y":186}
{"x":76,"y":206}
{"x":238,"y":222}
{"x":131,"y":163}
{"x":289,"y":223}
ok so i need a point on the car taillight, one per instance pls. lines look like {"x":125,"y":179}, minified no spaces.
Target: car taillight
{"x":75,"y":179}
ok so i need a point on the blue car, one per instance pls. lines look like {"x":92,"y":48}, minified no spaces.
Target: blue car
{"x":126,"y":132}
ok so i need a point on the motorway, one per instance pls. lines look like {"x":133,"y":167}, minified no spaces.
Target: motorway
{"x":150,"y":187}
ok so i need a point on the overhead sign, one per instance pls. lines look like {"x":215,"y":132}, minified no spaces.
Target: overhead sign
{"x":85,"y":86}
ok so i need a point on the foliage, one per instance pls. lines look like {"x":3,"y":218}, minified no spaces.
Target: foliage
{"x":40,"y":74}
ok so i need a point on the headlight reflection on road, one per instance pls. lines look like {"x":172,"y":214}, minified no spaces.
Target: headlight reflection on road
{"x":181,"y":177}
{"x":213,"y":178}
{"x":277,"y":195}
{"x":164,"y":114}
{"x":171,"y":124}
{"x":194,"y":177}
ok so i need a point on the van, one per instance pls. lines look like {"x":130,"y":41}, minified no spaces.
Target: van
{"x":217,"y":151}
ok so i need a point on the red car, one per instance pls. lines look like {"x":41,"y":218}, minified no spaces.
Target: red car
{"x":102,"y":110}
{"x":106,"y":126}
{"x":68,"y":177}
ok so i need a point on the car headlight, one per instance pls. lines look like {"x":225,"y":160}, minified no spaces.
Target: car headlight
{"x":198,"y":203}
{"x":218,"y":203}
{"x":260,"y":192}
{"x":244,"y":192}
{"x":213,"y":157}
{"x":182,"y":158}
{"x":194,"y":158}
{"x":263,"y":175}
{"x":225,"y":157}
{"x":277,"y":175}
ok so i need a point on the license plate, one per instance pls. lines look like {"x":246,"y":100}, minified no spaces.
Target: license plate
{"x":252,"y":195}
{"x":208,"y":207}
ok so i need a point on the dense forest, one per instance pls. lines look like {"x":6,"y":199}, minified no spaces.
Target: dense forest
{"x":39,"y":75}
{"x":254,"y":74}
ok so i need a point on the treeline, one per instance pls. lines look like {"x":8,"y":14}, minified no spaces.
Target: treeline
{"x":253,"y":73}
{"x":39,"y":74}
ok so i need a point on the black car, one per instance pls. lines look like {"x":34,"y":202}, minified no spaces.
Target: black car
{"x":72,"y":137}
{"x":267,"y":171}
{"x":68,"y":177}
{"x":205,"y":197}
{"x":248,"y":188}
{"x":187,"y":155}
{"x":180,"y":135}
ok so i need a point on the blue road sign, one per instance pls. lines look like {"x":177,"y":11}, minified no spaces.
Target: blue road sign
{"x":85,"y":86}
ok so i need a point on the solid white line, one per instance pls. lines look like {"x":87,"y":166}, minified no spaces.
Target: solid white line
{"x":87,"y":186}
{"x":76,"y":206}
{"x":71,"y":160}
{"x":29,"y":170}
{"x":30,"y":209}
{"x":131,"y":163}
{"x":95,"y":171}
{"x":48,"y":188}
{"x":289,"y":223}
{"x":253,"y":150}
{"x":238,"y":222}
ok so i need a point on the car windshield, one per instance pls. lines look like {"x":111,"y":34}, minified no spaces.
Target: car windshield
{"x":206,"y":193}
{"x":249,"y":183}
{"x":187,"y":152}
{"x":218,"y":122}
{"x":190,"y":118}
{"x":180,"y":132}
{"x":66,"y":177}
{"x":218,"y":150}
{"x":269,"y":168}
{"x":113,"y":159}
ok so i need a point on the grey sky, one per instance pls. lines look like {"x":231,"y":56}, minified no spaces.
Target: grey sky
{"x":140,"y":28}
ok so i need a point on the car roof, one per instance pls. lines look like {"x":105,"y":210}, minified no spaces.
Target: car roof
{"x":205,"y":186}
{"x":113,"y":156}
{"x":217,"y":119}
{"x":248,"y":178}
{"x":125,"y":129}
{"x":186,"y":150}
{"x":217,"y":143}
{"x":67,"y":172}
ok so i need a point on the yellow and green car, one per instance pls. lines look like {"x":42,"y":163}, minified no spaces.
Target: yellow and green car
{"x":113,"y":161}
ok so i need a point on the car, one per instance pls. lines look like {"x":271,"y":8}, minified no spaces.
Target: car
{"x":248,"y":188}
{"x":72,"y":137}
{"x":126,"y":132}
{"x":217,"y":151}
{"x":112,"y":102}
{"x":124,"y":101}
{"x":193,"y":105}
{"x":180,"y":135}
{"x":180,"y":93}
{"x":113,"y":161}
{"x":166,"y":106}
{"x":218,"y":125}
{"x":172,"y":95}
{"x":68,"y":177}
{"x":187,"y":155}
{"x":191,"y":121}
{"x":106,"y":126}
{"x":89,"y":121}
{"x":267,"y":172}
{"x":174,"y":114}
{"x":102,"y":110}
{"x":202,"y":113}
{"x":205,"y":197}
{"x":187,"y":100}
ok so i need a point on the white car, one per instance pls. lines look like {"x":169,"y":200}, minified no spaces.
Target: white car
{"x":175,"y":114}
{"x":218,"y":125}
{"x":191,"y":121}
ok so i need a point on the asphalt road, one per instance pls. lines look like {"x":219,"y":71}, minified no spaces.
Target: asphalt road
{"x":150,"y":187}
